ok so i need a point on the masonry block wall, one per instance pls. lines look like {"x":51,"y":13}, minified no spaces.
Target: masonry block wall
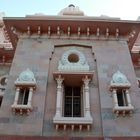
{"x":112,"y":56}
{"x":42,"y":56}
{"x":32,"y":54}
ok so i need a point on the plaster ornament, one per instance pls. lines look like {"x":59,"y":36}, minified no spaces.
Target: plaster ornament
{"x":119,"y":77}
{"x":26,"y":78}
{"x":26,"y":75}
{"x":73,"y":60}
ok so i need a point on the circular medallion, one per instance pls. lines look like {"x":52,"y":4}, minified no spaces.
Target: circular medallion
{"x":118,"y":77}
{"x":73,"y":57}
{"x":26,"y":75}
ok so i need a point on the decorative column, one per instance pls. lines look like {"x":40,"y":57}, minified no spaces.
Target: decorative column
{"x":115,"y":100}
{"x":86,"y":92}
{"x":29,"y":104}
{"x":16,"y":99}
{"x":59,"y":96}
{"x":16,"y":96}
{"x":84,"y":97}
{"x":128,"y":98}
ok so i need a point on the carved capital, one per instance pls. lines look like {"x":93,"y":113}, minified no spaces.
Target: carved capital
{"x":59,"y":80}
{"x":86,"y":80}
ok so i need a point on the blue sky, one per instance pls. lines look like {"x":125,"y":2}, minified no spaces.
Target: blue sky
{"x":125,"y":9}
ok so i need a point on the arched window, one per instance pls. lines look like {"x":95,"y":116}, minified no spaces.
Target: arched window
{"x":72,"y":103}
{"x":25,"y":85}
{"x":119,"y":87}
{"x":3,"y":83}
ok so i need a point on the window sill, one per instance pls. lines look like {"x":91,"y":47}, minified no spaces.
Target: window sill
{"x":124,"y":110}
{"x":21,"y":109}
{"x":120,"y":85}
{"x":25,"y":83}
{"x":73,"y":122}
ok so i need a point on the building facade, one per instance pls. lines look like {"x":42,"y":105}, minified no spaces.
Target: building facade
{"x":69,"y":75}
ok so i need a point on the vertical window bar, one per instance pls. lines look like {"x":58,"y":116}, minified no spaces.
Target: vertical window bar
{"x":72,"y":101}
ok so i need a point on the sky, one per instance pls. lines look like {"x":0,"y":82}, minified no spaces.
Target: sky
{"x":125,"y":9}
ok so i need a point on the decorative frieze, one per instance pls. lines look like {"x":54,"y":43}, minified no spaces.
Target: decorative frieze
{"x":107,"y":33}
{"x":79,"y":31}
{"x":39,"y":30}
{"x":88,"y":31}
{"x":98,"y":33}
{"x":28,"y":31}
{"x":117,"y":33}
{"x":58,"y":30}
{"x":69,"y":32}
{"x":49,"y":30}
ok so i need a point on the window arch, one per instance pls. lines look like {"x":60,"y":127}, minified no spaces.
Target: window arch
{"x":3,"y":80}
{"x":119,"y":87}
{"x":72,"y":93}
{"x":3,"y":83}
{"x":25,"y":85}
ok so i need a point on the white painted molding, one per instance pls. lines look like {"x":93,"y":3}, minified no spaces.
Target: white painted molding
{"x":66,"y":65}
{"x":119,"y":80}
{"x":26,"y":78}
